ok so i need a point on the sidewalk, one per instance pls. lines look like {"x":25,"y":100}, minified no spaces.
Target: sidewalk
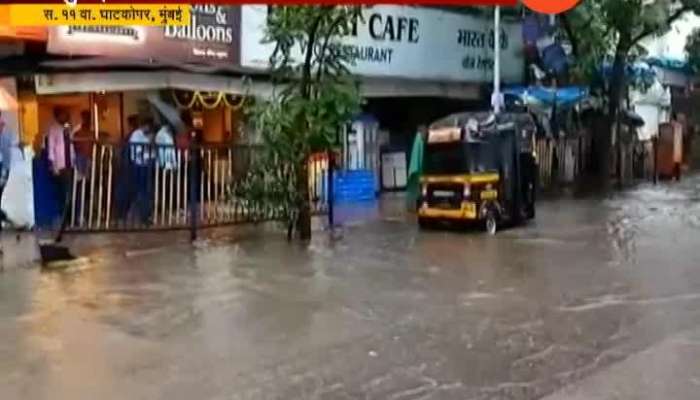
{"x":667,"y":370}
{"x":22,"y":251}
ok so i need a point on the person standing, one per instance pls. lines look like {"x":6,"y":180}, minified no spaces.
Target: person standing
{"x":83,"y":137}
{"x":62,"y":159}
{"x":125,"y":189}
{"x":141,"y":156}
{"x":165,"y":144}
{"x":195,"y":178}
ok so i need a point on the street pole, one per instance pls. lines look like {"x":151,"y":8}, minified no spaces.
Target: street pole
{"x":496,"y":96}
{"x":329,"y":186}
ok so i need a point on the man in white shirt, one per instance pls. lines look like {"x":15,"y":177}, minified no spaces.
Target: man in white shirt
{"x":166,"y":148}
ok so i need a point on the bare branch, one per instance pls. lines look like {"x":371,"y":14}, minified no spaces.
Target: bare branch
{"x":329,"y":34}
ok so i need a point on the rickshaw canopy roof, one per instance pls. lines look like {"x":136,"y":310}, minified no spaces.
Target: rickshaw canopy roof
{"x":487,"y":121}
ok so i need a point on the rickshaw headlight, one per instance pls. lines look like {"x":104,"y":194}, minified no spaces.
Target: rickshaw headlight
{"x":424,"y":190}
{"x":467,"y":191}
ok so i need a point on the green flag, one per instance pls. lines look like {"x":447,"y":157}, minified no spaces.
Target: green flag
{"x":415,"y":168}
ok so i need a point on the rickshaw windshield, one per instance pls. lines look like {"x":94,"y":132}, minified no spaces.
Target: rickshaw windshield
{"x":458,"y":158}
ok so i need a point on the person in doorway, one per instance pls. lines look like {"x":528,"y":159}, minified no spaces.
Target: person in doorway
{"x":83,"y":139}
{"x":166,"y":148}
{"x":141,"y":157}
{"x":125,"y":189}
{"x":132,"y":124}
{"x":61,"y":160}
{"x":166,"y":160}
{"x":183,"y":138}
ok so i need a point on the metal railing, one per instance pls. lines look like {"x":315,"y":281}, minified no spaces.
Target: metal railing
{"x":147,"y":186}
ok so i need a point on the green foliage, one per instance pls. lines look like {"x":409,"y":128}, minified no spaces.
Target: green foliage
{"x":611,"y":31}
{"x":600,"y":29}
{"x":314,"y":96}
{"x":692,"y":48}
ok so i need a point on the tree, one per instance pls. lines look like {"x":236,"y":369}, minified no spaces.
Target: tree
{"x":611,"y":31}
{"x":315,"y":95}
{"x":692,"y":48}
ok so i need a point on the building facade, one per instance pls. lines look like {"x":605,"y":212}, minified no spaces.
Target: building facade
{"x":414,"y":65}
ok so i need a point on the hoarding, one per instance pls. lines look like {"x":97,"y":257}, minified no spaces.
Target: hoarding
{"x":212,"y":37}
{"x":408,"y":42}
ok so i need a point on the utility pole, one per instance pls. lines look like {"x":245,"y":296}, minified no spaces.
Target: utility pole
{"x":496,"y":96}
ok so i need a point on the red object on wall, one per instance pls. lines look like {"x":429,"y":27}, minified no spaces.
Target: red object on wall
{"x":34,"y":33}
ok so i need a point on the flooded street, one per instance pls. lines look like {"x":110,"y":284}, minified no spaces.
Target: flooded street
{"x":386,"y":312}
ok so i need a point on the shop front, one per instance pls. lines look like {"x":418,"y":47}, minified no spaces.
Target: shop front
{"x":415,"y":65}
{"x":156,"y":120}
{"x":108,"y":108}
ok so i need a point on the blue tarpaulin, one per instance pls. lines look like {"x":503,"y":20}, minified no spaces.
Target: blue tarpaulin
{"x":644,"y":71}
{"x":545,"y":97}
{"x":673,"y":64}
{"x":640,"y":71}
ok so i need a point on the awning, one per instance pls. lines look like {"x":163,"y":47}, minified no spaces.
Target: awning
{"x":85,"y":82}
{"x":49,"y":63}
{"x":388,"y":87}
{"x":118,"y":81}
{"x":90,"y":74}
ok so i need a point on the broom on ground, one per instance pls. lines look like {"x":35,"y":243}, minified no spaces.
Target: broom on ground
{"x":52,"y":253}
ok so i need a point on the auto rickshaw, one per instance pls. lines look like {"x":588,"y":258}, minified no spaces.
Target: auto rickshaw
{"x":479,"y":167}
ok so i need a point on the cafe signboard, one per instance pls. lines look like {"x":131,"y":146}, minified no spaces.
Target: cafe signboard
{"x":396,"y":41}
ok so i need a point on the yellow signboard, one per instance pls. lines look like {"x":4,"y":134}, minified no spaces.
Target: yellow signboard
{"x":96,"y":14}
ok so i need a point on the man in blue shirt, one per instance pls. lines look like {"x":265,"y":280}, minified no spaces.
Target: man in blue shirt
{"x":142,"y":155}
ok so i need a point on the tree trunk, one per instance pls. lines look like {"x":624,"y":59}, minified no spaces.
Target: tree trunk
{"x":304,"y":217}
{"x":617,"y":81}
{"x":302,"y":178}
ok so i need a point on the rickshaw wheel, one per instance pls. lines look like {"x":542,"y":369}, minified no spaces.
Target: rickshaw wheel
{"x":424,"y":223}
{"x":531,"y":211}
{"x":491,"y":222}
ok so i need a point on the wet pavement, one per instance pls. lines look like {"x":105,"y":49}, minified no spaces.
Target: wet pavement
{"x":386,"y":312}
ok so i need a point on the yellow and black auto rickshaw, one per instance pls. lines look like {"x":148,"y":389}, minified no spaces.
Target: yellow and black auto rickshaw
{"x":479,"y":167}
